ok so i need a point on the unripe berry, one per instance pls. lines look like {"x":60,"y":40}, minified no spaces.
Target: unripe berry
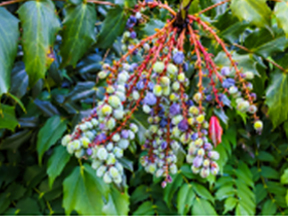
{"x":146,"y":47}
{"x":79,"y":153}
{"x":119,"y":167}
{"x":159,"y":173}
{"x":176,"y":132}
{"x":118,"y":152}
{"x":103,"y":74}
{"x":66,"y":139}
{"x":83,"y":127}
{"x":106,"y":110}
{"x":197,"y":162}
{"x":107,"y":179}
{"x":70,"y":148}
{"x":166,"y":90}
{"x":76,"y":144}
{"x":200,"y":119}
{"x":158,"y":67}
{"x":138,"y":15}
{"x":100,"y":171}
{"x":249,"y":75}
{"x":233,"y":90}
{"x":151,"y":168}
{"x":243,"y":106}
{"x":135,"y":95}
{"x":176,"y":86}
{"x":205,"y":172}
{"x":194,"y":110}
{"x":189,"y":158}
{"x":173,"y":169}
{"x":195,"y":170}
{"x":111,"y":159}
{"x":102,"y":153}
{"x":118,"y":114}
{"x":173,"y":97}
{"x":200,"y":152}
{"x":111,"y":123}
{"x":164,"y":81}
{"x":126,"y":34}
{"x":239,"y":100}
{"x":225,"y":71}
{"x":116,"y":137}
{"x":197,"y":97}
{"x":206,"y":163}
{"x":95,"y":164}
{"x":258,"y":125}
{"x":172,"y":69}
{"x":109,"y":146}
{"x":199,"y":142}
{"x":85,"y":142}
{"x":118,"y":180}
{"x":213,"y":155}
{"x":191,"y":121}
{"x":123,"y":143}
{"x":176,"y":119}
{"x":134,"y":127}
{"x":146,"y":109}
{"x":114,"y":173}
{"x":181,"y":77}
{"x":122,"y":78}
{"x":252,"y":109}
{"x":114,"y":101}
{"x":184,"y":138}
{"x":157,"y":90}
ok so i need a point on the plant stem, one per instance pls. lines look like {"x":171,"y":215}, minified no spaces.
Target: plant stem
{"x":213,"y":6}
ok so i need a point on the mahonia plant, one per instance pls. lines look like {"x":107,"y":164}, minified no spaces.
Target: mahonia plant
{"x":158,"y":86}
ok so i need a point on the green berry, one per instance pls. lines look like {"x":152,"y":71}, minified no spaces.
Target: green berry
{"x":114,"y":101}
{"x":249,"y":75}
{"x":181,"y":77}
{"x":66,"y":139}
{"x":172,"y":69}
{"x":158,"y":67}
{"x":102,"y":154}
{"x":107,"y":179}
{"x":103,"y":74}
{"x":157,"y":90}
{"x":106,"y":110}
{"x":258,"y":125}
{"x":85,"y":142}
{"x":114,"y":172}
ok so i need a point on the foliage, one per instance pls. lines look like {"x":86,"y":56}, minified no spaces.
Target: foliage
{"x":56,"y":50}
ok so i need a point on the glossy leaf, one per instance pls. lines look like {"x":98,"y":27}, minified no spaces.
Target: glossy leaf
{"x":49,"y":134}
{"x":78,"y":32}
{"x":83,"y":191}
{"x":280,"y":11}
{"x":118,"y":202}
{"x":277,"y":99}
{"x":256,"y":12}
{"x":185,"y":199}
{"x":7,"y":117}
{"x":113,"y":26}
{"x":56,"y":163}
{"x":9,"y":34}
{"x":40,"y":25}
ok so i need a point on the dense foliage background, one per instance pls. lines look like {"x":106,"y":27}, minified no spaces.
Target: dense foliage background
{"x":50,"y":53}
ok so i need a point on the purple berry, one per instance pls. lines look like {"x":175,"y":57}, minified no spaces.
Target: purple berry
{"x":227,"y":83}
{"x":183,"y":125}
{"x":163,"y":123}
{"x":185,"y":67}
{"x":194,"y":136}
{"x":150,"y":99}
{"x":225,"y":71}
{"x":178,"y":58}
{"x":164,"y":145}
{"x":197,"y":162}
{"x":89,"y":151}
{"x":133,"y":35}
{"x":125,"y":134}
{"x":174,"y":109}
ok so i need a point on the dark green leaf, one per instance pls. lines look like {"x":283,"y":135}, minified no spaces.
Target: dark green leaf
{"x":145,"y":208}
{"x":113,"y":26}
{"x":78,"y":33}
{"x":49,"y":134}
{"x":83,"y":191}
{"x":277,"y":99}
{"x":203,"y":207}
{"x":269,"y":208}
{"x":56,"y":163}
{"x":40,"y":25}
{"x":201,"y":191}
{"x":7,"y":117}
{"x":16,"y":140}
{"x":9,"y":34}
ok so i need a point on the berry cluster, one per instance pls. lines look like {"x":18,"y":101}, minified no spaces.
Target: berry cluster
{"x":158,"y":85}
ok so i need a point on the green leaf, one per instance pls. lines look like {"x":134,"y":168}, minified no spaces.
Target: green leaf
{"x":265,"y":156}
{"x":145,"y":208}
{"x":185,"y":199}
{"x":18,"y":101}
{"x":140,"y":194}
{"x":56,"y":163}
{"x":170,"y":189}
{"x":78,"y":32}
{"x":263,"y":43}
{"x":203,"y":207}
{"x":150,"y":27}
{"x":269,"y":208}
{"x":284,"y":177}
{"x":286,"y":197}
{"x":281,"y":11}
{"x":118,"y":202}
{"x":83,"y":191}
{"x":40,"y":26}
{"x":7,"y":117}
{"x":277,"y":98}
{"x":224,"y":192}
{"x":269,"y":172}
{"x":4,"y":202}
{"x":202,"y":192}
{"x":113,"y":26}
{"x":230,"y":204}
{"x":256,"y":12}
{"x":9,"y":35}
{"x":49,"y":134}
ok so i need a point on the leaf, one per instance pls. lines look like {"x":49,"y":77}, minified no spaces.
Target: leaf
{"x":15,"y":140}
{"x":281,"y":11}
{"x":269,"y":208}
{"x":49,"y":134}
{"x":19,"y":80}
{"x":255,"y":12}
{"x":40,"y":26}
{"x":185,"y":199}
{"x":140,"y":194}
{"x":284,"y":177}
{"x":170,"y":189}
{"x":78,"y":32}
{"x":230,"y":204}
{"x":46,"y":107}
{"x":224,"y":192}
{"x":203,"y":207}
{"x":28,"y":205}
{"x":265,"y":156}
{"x":7,"y":117}
{"x":269,"y":172}
{"x":113,"y":26}
{"x":145,"y":208}
{"x":4,"y":202}
{"x":277,"y":99}
{"x":56,"y":163}
{"x":9,"y":34}
{"x":263,"y":43}
{"x":151,"y":26}
{"x":83,"y":191}
{"x":201,"y":191}
{"x":18,"y":101}
{"x":286,"y":197}
{"x":118,"y":202}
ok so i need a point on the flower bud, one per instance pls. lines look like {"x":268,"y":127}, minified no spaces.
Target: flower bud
{"x":166,"y":90}
{"x":159,"y":173}
{"x":206,"y":163}
{"x":95,"y":164}
{"x":80,"y":153}
{"x":233,"y":90}
{"x":200,"y":152}
{"x":243,"y":106}
{"x":111,"y":123}
{"x":146,"y":109}
{"x":194,"y":110}
{"x":109,"y":146}
{"x":173,"y":169}
{"x":195,"y":170}
{"x":252,"y":109}
{"x":118,"y":114}
{"x":197,"y":97}
{"x":114,"y":101}
{"x":118,"y":152}
{"x":164,"y":81}
{"x":197,"y":162}
{"x":189,"y":158}
{"x":199,"y":142}
{"x":146,"y":47}
{"x":176,"y":86}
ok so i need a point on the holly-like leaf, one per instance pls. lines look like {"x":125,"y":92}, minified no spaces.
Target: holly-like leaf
{"x":78,"y":32}
{"x":277,"y":98}
{"x":56,"y":163}
{"x":9,"y":35}
{"x":113,"y":26}
{"x":83,"y":192}
{"x":7,"y":117}
{"x":203,"y":207}
{"x":185,"y":199}
{"x":263,"y":43}
{"x":255,"y":12}
{"x":281,"y":11}
{"x":40,"y":26}
{"x":49,"y":134}
{"x":118,"y":202}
